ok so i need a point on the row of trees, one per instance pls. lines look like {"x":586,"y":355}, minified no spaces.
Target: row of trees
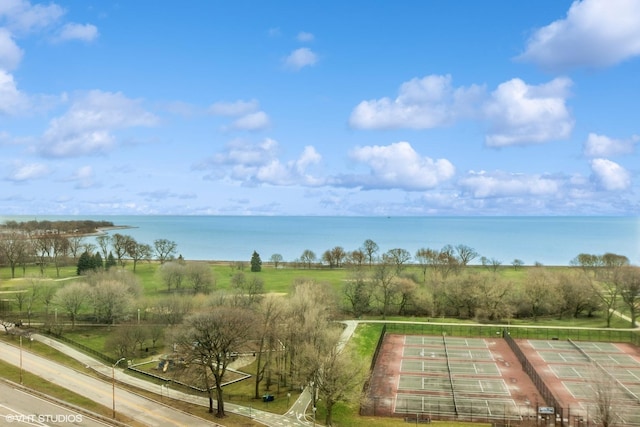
{"x":294,"y":337}
{"x":388,"y":288}
{"x":21,"y":247}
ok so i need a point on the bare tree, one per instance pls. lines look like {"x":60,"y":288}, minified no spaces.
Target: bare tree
{"x":210,"y":338}
{"x":384,"y":282}
{"x":399,"y":257}
{"x":72,"y":298}
{"x":465,"y":254}
{"x":604,"y":400}
{"x":165,"y":249}
{"x":308,"y":257}
{"x":137,"y":251}
{"x":370,"y":248}
{"x":13,"y":246}
{"x":199,"y":276}
{"x":276,"y":259}
{"x":630,"y":291}
{"x":269,"y":314}
{"x":340,"y":379}
{"x":358,"y":293}
{"x":173,"y":274}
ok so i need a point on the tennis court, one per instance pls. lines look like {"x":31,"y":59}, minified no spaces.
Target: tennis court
{"x":455,"y":376}
{"x":592,"y":371}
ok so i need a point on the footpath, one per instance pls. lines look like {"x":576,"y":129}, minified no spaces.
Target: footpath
{"x":296,"y":416}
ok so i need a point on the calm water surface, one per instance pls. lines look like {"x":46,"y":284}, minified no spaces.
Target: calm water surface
{"x":549,"y":240}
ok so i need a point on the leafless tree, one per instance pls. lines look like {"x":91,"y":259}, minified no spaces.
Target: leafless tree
{"x":200,"y":277}
{"x":465,"y":254}
{"x":13,"y":246}
{"x":165,"y":249}
{"x":398,"y":257}
{"x":269,"y":314}
{"x":370,"y":248}
{"x":72,"y":298}
{"x":210,"y":338}
{"x":137,"y":251}
{"x":630,"y":291}
{"x":276,"y":260}
{"x":173,"y":274}
{"x":340,"y":379}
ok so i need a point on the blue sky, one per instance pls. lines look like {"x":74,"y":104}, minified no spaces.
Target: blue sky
{"x":417,"y":107}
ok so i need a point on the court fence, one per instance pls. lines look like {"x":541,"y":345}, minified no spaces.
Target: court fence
{"x":547,"y":413}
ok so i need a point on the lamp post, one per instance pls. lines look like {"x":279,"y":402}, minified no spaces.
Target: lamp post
{"x":21,"y":359}
{"x":314,"y":416}
{"x":113,"y":385}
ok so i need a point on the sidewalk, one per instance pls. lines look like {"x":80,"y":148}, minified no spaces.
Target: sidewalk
{"x":266,"y":418}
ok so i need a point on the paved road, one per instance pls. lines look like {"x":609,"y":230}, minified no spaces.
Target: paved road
{"x":141,"y":409}
{"x":20,"y":408}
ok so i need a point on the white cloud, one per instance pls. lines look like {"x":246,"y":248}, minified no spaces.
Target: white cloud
{"x":253,"y":164}
{"x":603,"y":146}
{"x":87,"y":127}
{"x":484,"y":184}
{"x":25,"y":172}
{"x":252,"y":122}
{"x":10,"y":53}
{"x":595,"y":33}
{"x":236,"y":108}
{"x":397,"y":165}
{"x":610,"y":175}
{"x":73,"y":31}
{"x":300,"y":58}
{"x":12,"y":101}
{"x":522,"y":114}
{"x":305,"y":37}
{"x":421,"y":104}
{"x":22,"y":16}
{"x":84,"y":177}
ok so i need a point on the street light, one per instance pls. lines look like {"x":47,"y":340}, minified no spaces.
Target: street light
{"x":113,"y":385}
{"x":314,"y":416}
{"x":31,"y":339}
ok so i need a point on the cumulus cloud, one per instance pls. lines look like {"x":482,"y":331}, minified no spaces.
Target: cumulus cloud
{"x":397,"y":165}
{"x":73,"y":31}
{"x":300,"y":58}
{"x":484,"y":184}
{"x":252,"y":122}
{"x":604,"y":146}
{"x":609,"y":175}
{"x":519,"y":113}
{"x":87,"y":127}
{"x":10,"y":53}
{"x":22,"y":172}
{"x":423,"y":103}
{"x":22,"y":16}
{"x":595,"y":33}
{"x":248,"y":113}
{"x":12,"y":101}
{"x":253,"y":164}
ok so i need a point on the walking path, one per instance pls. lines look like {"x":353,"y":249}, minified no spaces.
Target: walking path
{"x":295,"y":416}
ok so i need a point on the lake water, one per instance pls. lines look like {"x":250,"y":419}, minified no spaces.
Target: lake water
{"x":549,"y":240}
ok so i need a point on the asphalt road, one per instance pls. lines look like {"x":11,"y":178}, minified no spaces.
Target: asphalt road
{"x":20,"y":408}
{"x":141,"y":409}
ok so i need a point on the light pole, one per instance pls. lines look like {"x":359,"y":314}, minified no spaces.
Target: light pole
{"x":113,"y":385}
{"x":20,"y":358}
{"x":314,"y":416}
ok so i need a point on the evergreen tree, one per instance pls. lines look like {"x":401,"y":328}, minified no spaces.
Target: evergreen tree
{"x":111,"y":261}
{"x":97,"y":261}
{"x":85,"y":262}
{"x":256,"y":262}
